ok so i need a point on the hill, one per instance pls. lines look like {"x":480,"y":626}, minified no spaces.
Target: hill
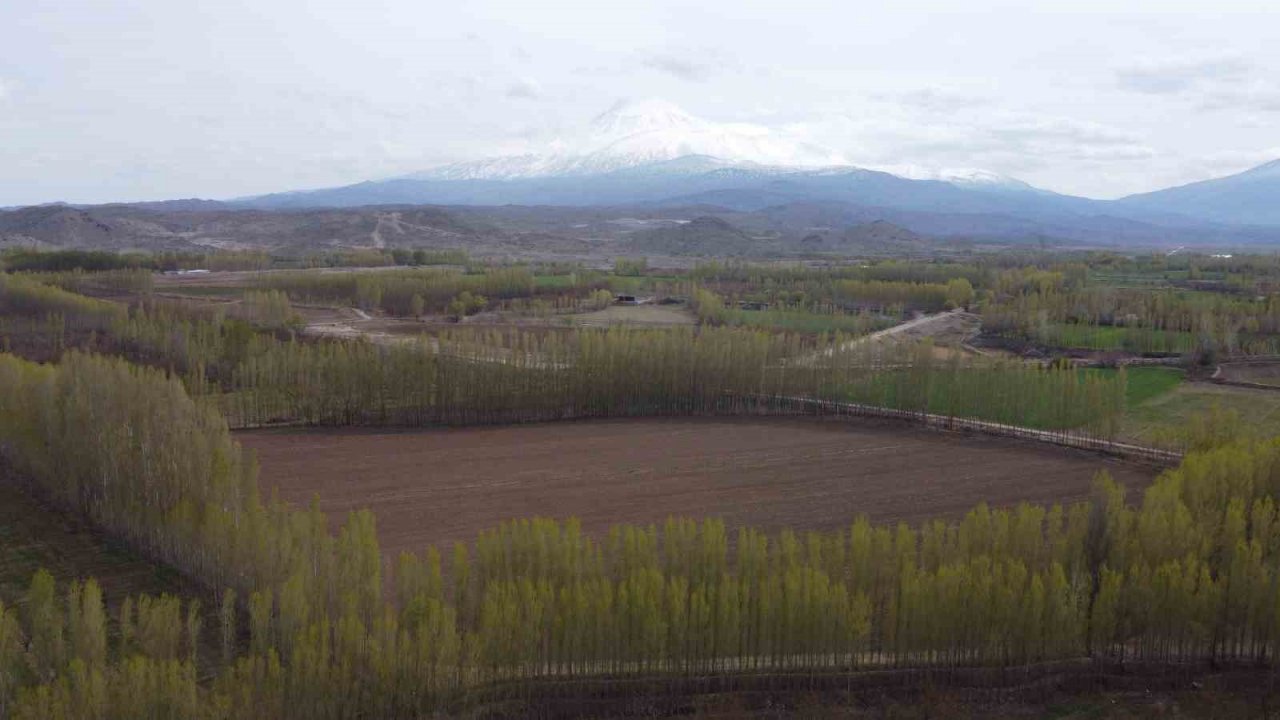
{"x":179,"y":226}
{"x":1249,"y":198}
{"x":704,"y":236}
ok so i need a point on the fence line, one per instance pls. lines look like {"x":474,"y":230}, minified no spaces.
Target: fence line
{"x":948,"y":422}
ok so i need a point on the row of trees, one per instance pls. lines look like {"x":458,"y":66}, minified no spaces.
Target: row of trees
{"x":471,"y":378}
{"x":843,"y":289}
{"x":1191,"y":574}
{"x":1140,"y":320}
{"x":403,"y":292}
{"x":62,"y":657}
{"x":711,"y":309}
{"x":96,"y":261}
{"x":269,"y":309}
{"x":762,"y":275}
{"x":466,"y":377}
{"x":258,"y":378}
{"x":1050,"y":397}
{"x":932,"y":297}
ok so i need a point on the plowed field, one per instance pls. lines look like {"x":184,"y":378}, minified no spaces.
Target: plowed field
{"x":438,"y":486}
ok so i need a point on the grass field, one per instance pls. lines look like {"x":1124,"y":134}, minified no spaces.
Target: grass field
{"x":1089,"y":337}
{"x":440,"y":486}
{"x":1144,"y":383}
{"x":554,"y":282}
{"x":1259,"y":410}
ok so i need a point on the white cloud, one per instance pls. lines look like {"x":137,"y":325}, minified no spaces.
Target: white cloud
{"x":679,"y":67}
{"x":936,"y":99}
{"x":1171,"y":77}
{"x":1230,"y":162}
{"x":1225,"y":83}
{"x":1049,"y":92}
{"x":887,"y":133}
{"x":1258,"y":96}
{"x":524,"y":89}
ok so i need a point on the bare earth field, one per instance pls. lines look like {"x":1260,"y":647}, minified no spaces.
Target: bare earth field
{"x":1261,"y":373}
{"x":443,"y":485}
{"x":649,"y":315}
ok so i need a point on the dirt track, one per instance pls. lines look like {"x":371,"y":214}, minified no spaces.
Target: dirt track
{"x":438,"y":486}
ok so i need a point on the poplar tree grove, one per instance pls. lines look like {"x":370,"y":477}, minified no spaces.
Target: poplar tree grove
{"x":1190,"y":574}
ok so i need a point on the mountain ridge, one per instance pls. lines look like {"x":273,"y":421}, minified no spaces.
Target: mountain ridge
{"x":1251,"y":197}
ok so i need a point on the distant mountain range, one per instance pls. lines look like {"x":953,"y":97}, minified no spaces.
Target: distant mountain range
{"x":653,"y":159}
{"x":1251,"y":198}
{"x":654,"y":153}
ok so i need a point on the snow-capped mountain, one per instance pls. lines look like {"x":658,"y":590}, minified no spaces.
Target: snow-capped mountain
{"x":655,"y":137}
{"x":638,"y":134}
{"x":654,"y":153}
{"x":971,"y":178}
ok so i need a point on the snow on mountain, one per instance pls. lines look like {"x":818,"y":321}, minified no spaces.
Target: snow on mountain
{"x":970,"y":178}
{"x":657,"y":138}
{"x":634,"y":134}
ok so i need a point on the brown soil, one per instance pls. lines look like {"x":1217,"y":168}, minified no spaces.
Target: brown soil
{"x":647,"y":315}
{"x":1267,"y":373}
{"x":439,"y":486}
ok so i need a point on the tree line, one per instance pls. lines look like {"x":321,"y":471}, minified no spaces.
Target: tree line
{"x":1139,"y":320}
{"x":331,"y":630}
{"x":260,"y":376}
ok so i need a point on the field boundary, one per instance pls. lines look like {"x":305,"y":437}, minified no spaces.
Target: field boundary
{"x":662,"y":694}
{"x":1217,"y":378}
{"x":1069,"y":439}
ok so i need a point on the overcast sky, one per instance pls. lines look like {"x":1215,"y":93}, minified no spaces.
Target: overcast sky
{"x":105,"y":100}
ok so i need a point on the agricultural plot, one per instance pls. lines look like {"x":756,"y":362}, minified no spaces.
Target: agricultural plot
{"x":1142,"y":383}
{"x":1267,"y":373}
{"x":437,"y":487}
{"x":648,"y":315}
{"x":1155,"y":420}
{"x":1129,"y":339}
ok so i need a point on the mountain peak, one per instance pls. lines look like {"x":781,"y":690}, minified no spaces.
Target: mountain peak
{"x":653,"y":137}
{"x":627,"y":117}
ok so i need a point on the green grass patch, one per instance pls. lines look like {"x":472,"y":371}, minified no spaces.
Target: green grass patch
{"x":555,"y":282}
{"x":1012,"y":393}
{"x":1109,"y":337}
{"x":1142,"y":383}
{"x":1259,"y":410}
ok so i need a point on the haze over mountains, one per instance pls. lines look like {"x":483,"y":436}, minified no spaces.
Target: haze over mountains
{"x":655,"y":153}
{"x":1250,"y":197}
{"x":750,"y":190}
